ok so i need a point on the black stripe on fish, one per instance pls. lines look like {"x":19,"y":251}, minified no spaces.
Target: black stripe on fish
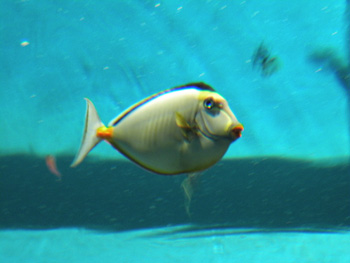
{"x":196,"y":85}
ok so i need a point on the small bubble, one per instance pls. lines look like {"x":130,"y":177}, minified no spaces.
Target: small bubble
{"x":25,"y":43}
{"x":255,"y":14}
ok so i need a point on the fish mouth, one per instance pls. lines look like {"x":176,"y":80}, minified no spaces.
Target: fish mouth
{"x":236,"y":131}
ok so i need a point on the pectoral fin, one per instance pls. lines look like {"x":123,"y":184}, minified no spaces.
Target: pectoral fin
{"x":188,"y":131}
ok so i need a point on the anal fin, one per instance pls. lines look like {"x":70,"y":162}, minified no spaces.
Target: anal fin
{"x":188,"y":186}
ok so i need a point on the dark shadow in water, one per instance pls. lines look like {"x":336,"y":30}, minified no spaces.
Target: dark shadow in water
{"x":332,"y":60}
{"x":117,"y":195}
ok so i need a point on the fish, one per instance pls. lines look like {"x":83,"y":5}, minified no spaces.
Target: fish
{"x":263,"y":60}
{"x":185,"y":129}
{"x":51,"y":165}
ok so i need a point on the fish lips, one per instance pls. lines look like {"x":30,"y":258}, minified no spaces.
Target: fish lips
{"x":235,"y":131}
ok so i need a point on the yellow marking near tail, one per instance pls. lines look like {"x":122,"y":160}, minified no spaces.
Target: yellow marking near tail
{"x":104,"y":132}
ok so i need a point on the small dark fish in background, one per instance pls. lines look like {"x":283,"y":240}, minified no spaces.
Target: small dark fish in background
{"x":264,"y":62}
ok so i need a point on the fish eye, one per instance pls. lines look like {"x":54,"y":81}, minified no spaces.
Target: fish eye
{"x":209,"y":103}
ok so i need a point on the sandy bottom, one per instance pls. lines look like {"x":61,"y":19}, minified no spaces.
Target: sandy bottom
{"x":173,"y":245}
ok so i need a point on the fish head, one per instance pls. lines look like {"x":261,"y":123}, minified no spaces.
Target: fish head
{"x":215,"y":118}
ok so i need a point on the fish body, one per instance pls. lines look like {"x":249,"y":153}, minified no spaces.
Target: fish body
{"x":182,"y":130}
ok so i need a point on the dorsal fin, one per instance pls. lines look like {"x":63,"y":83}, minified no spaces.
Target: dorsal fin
{"x":199,"y":85}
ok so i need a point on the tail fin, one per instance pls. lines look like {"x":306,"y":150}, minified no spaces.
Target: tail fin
{"x":90,"y":139}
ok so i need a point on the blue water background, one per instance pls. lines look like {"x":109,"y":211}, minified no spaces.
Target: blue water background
{"x":118,"y":52}
{"x":281,"y":194}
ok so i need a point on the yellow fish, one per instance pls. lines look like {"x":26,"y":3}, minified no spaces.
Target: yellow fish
{"x":181,"y":130}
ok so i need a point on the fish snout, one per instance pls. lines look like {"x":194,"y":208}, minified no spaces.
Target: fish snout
{"x":236,"y":131}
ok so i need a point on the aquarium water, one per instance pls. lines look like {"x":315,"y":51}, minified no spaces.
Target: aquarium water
{"x":281,"y":193}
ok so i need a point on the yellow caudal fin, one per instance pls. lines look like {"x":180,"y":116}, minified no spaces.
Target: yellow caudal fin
{"x":90,"y":139}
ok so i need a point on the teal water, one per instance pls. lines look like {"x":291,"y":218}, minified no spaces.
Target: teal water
{"x":281,"y":194}
{"x":119,"y":196}
{"x":119,"y":52}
